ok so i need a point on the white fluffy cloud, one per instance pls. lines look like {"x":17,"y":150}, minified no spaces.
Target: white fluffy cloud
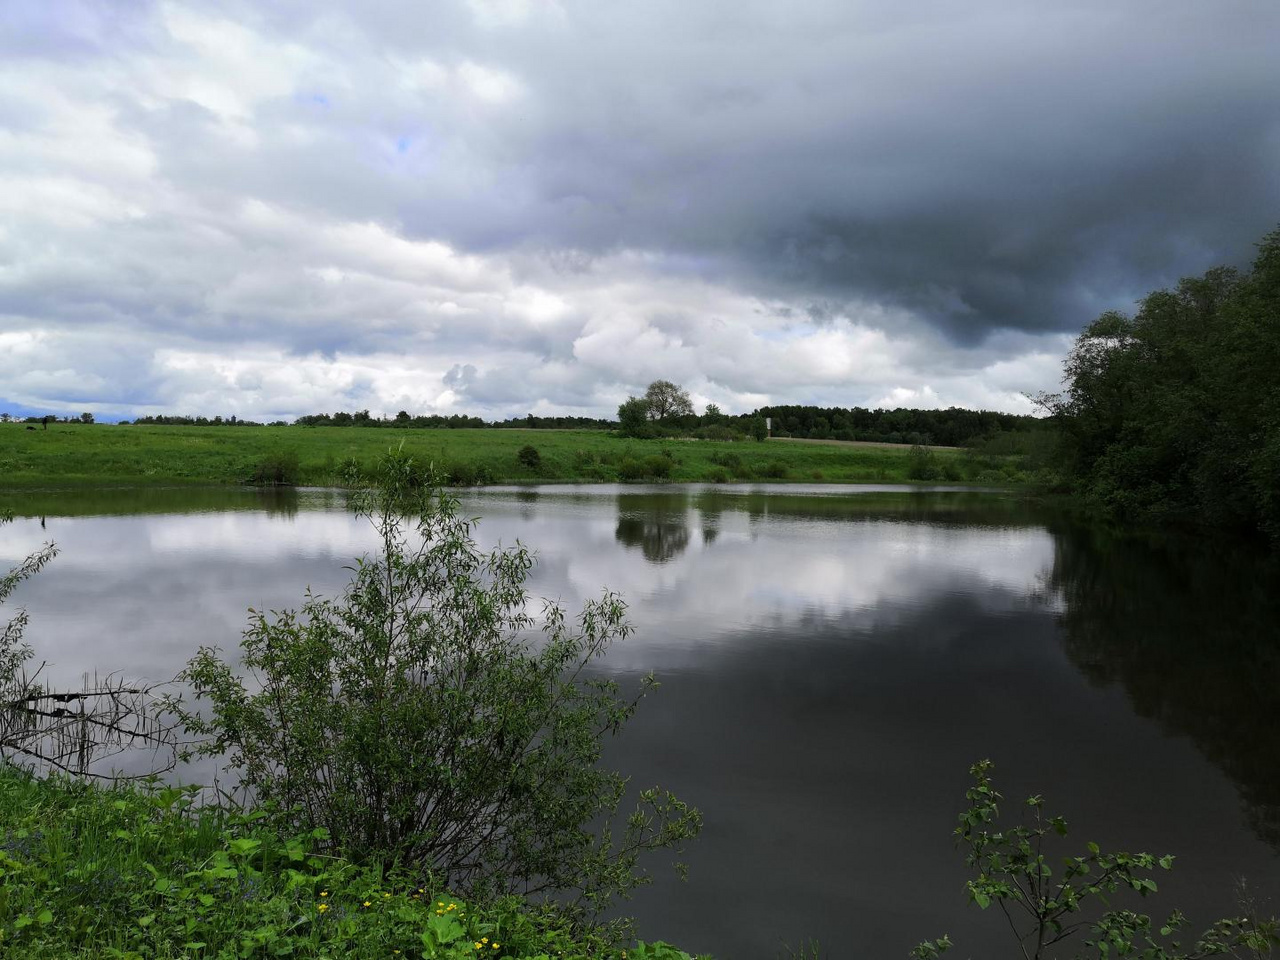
{"x":499,"y":206}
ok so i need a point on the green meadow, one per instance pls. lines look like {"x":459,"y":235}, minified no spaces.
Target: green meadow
{"x":83,"y":455}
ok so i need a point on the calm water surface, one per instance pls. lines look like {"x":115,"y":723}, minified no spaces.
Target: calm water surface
{"x":832,"y":659}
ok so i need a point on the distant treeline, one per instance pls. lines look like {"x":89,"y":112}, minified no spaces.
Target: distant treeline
{"x":953,"y":427}
{"x":232,"y":421}
{"x":457,"y":421}
{"x":47,"y":419}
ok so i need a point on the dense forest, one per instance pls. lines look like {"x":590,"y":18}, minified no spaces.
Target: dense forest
{"x":952,"y":427}
{"x":1174,"y":413}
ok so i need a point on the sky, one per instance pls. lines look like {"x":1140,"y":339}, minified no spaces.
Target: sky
{"x":502,"y":207}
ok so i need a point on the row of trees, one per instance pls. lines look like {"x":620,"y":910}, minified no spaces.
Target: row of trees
{"x":456,"y":421}
{"x":665,"y":408}
{"x":952,"y":427}
{"x":176,"y":421}
{"x":1175,"y":411}
{"x":46,"y":419}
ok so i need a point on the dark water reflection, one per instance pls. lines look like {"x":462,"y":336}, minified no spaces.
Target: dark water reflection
{"x":1192,"y":635}
{"x":831,"y":663}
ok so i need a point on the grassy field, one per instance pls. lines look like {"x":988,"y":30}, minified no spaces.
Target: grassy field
{"x":70,"y":455}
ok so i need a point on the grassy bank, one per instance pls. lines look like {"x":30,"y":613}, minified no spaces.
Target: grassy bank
{"x":98,"y":455}
{"x":127,"y":873}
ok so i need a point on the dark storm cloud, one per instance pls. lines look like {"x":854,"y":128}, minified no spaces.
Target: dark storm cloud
{"x":996,"y":165}
{"x":280,"y":207}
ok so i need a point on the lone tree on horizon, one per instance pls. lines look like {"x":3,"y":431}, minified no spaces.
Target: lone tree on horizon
{"x":666,"y":399}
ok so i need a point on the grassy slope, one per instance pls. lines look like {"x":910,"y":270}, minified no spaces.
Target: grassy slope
{"x":72,"y":455}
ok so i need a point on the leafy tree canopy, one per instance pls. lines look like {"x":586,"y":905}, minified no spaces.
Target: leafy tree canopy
{"x":665,"y":399}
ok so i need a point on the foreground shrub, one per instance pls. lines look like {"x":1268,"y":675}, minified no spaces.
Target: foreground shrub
{"x":1046,"y":899}
{"x":279,"y":469}
{"x":131,"y":873}
{"x":467,"y":474}
{"x":528,"y":456}
{"x":921,"y":463}
{"x":655,"y":467}
{"x":415,"y":721}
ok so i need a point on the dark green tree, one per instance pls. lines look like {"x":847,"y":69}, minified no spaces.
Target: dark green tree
{"x":1175,"y":412}
{"x":633,"y":417}
{"x":665,"y":400}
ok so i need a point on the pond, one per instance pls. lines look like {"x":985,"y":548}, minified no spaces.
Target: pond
{"x":831,"y":659}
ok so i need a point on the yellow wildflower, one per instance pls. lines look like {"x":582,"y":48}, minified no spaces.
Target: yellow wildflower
{"x":322,"y":907}
{"x":368,"y":904}
{"x":477,"y":944}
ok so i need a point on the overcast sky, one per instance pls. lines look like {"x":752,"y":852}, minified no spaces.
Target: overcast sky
{"x":508,"y":206}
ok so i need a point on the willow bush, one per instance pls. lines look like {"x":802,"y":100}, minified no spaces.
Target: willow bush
{"x":421,"y":718}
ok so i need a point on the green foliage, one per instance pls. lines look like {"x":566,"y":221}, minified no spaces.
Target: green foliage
{"x":128,"y":873}
{"x":931,"y":949}
{"x":759,"y":429}
{"x":665,"y":400}
{"x":14,"y":651}
{"x":656,"y":951}
{"x":921,"y":463}
{"x":280,"y":468}
{"x":1173,"y":412}
{"x":633,"y":417}
{"x":467,"y":473}
{"x":528,"y":456}
{"x":653,"y":467}
{"x":415,"y":721}
{"x":1046,"y":900}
